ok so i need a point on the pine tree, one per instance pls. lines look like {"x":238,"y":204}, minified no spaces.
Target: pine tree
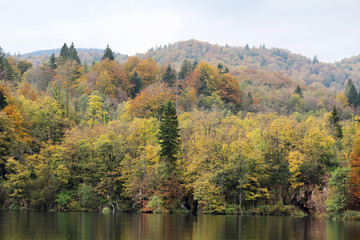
{"x":335,"y":124}
{"x":315,"y":60}
{"x":64,"y":53}
{"x":169,"y":134}
{"x":170,"y":76}
{"x":298,"y":91}
{"x":73,"y":55}
{"x":351,"y":93}
{"x":137,"y":84}
{"x":108,"y":53}
{"x":3,"y":102}
{"x":9,"y":71}
{"x":2,"y":61}
{"x":53,"y":61}
{"x":185,"y":69}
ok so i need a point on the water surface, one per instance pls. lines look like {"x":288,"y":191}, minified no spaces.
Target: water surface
{"x":40,"y":225}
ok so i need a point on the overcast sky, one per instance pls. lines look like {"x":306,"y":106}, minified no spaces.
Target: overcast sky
{"x":326,"y":28}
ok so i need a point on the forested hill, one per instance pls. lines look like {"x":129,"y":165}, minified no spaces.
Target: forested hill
{"x":87,"y":55}
{"x":303,"y":70}
{"x":297,"y":67}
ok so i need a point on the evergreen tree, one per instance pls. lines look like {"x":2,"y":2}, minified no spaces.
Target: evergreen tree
{"x":53,"y":61}
{"x":73,"y":55}
{"x":194,"y":65}
{"x":169,"y":134}
{"x":315,"y":60}
{"x":9,"y":71}
{"x":335,"y":124}
{"x":170,"y":76}
{"x":185,"y":69}
{"x":250,"y":99}
{"x":64,"y":53}
{"x":108,"y":53}
{"x":137,"y":84}
{"x":3,"y":102}
{"x":298,"y":91}
{"x":2,"y":61}
{"x":351,"y":93}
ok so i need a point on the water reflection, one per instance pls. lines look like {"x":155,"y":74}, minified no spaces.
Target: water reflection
{"x":38,"y":225}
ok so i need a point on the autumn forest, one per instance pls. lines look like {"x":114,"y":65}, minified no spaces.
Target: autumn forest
{"x":189,"y":128}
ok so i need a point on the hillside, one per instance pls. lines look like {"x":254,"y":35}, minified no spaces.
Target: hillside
{"x":295,"y":66}
{"x":87,"y":55}
{"x":299,"y":68}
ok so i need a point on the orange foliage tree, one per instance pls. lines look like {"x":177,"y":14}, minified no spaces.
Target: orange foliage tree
{"x":148,"y":103}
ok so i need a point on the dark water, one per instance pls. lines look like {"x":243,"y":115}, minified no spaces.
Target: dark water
{"x":39,"y":225}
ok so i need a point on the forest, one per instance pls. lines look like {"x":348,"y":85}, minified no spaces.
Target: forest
{"x":171,"y":132}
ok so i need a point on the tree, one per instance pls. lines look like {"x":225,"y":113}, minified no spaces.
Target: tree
{"x":298,"y":91}
{"x":69,"y":53}
{"x":185,"y":69}
{"x":338,"y":181}
{"x":53,"y":61}
{"x":335,"y":125}
{"x":135,"y":81}
{"x":73,"y":55}
{"x":23,"y":66}
{"x":170,"y":76}
{"x":2,"y":60}
{"x":351,"y":93}
{"x":315,"y":60}
{"x":108,"y":53}
{"x":3,"y":101}
{"x":169,"y":134}
{"x":64,"y":53}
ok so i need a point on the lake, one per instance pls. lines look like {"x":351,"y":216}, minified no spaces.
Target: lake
{"x":41,"y":225}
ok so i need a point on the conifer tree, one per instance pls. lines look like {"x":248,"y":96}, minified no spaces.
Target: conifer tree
{"x":335,"y":124}
{"x":2,"y":61}
{"x":137,"y":84}
{"x":3,"y":102}
{"x":170,"y":76}
{"x":351,"y":93}
{"x":73,"y":55}
{"x":315,"y":60}
{"x":108,"y":53}
{"x":169,"y":134}
{"x":185,"y":69}
{"x":298,"y":91}
{"x":64,"y":53}
{"x":9,"y":71}
{"x":53,"y":61}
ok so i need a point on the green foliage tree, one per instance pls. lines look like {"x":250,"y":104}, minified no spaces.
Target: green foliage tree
{"x":108,"y":53}
{"x":10,"y":74}
{"x":185,"y":69}
{"x":52,"y":61}
{"x":64,"y":53}
{"x":136,"y":82}
{"x":73,"y":55}
{"x":69,"y":54}
{"x":169,"y":134}
{"x":2,"y":61}
{"x":298,"y":91}
{"x":338,"y":181}
{"x":351,"y":93}
{"x":335,"y":125}
{"x":315,"y":60}
{"x":23,"y":66}
{"x":170,"y":76}
{"x":3,"y":102}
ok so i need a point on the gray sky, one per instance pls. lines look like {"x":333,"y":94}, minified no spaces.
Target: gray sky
{"x":326,"y":28}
